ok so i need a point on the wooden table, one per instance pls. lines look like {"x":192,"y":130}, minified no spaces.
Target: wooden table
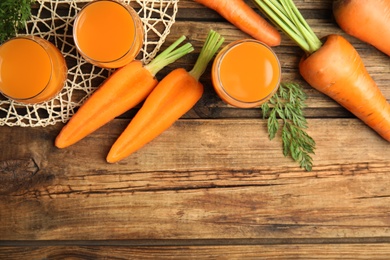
{"x":213,"y":185}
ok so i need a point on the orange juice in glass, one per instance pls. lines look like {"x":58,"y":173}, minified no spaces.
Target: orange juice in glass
{"x":108,"y":33}
{"x":32,"y":70}
{"x":246,"y":73}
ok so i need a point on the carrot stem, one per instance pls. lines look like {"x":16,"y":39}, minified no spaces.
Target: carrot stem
{"x":169,"y":55}
{"x":211,"y":46}
{"x":286,"y":15}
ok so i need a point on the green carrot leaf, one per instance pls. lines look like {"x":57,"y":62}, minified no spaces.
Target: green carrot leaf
{"x":287,"y":104}
{"x":288,"y":18}
{"x":13,"y":16}
{"x":212,"y":44}
{"x":169,"y":55}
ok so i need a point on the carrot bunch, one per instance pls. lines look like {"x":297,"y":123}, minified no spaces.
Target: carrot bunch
{"x":176,"y":94}
{"x":366,"y":20}
{"x":246,"y":19}
{"x":123,"y":90}
{"x":334,"y":68}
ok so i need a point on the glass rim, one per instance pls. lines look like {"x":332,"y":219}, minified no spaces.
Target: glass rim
{"x":225,"y":51}
{"x":129,"y":10}
{"x":36,"y":40}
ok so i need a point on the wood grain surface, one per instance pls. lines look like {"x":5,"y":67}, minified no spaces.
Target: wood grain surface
{"x":211,"y":186}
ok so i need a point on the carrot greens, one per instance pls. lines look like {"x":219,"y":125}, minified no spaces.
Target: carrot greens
{"x":169,"y":55}
{"x":13,"y":15}
{"x":287,"y":104}
{"x":285,"y":14}
{"x":213,"y":42}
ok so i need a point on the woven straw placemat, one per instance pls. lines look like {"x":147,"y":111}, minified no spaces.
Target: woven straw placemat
{"x":53,"y":20}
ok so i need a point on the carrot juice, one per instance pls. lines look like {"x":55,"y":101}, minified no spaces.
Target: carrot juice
{"x":32,"y":70}
{"x":246,"y":73}
{"x":108,"y":33}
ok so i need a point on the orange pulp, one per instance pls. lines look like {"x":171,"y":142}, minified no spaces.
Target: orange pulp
{"x":108,"y":33}
{"x":246,"y":73}
{"x":32,"y":70}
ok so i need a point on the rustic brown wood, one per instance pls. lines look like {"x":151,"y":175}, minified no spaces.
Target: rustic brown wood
{"x":213,"y":185}
{"x":295,"y":251}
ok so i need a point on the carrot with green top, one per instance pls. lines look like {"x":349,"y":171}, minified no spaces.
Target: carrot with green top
{"x":123,"y":90}
{"x":333,"y":67}
{"x":175,"y":95}
{"x":241,"y":15}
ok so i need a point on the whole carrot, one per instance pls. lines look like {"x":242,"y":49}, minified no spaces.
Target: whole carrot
{"x":123,"y":90}
{"x":333,"y":68}
{"x":366,"y":20}
{"x":337,"y":70}
{"x":177,"y":93}
{"x":246,"y":19}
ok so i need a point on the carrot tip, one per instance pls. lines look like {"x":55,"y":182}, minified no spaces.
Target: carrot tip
{"x":112,"y":157}
{"x":110,"y":161}
{"x":59,"y":144}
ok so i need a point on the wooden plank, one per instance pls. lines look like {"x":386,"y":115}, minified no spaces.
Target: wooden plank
{"x":200,"y":178}
{"x":204,"y":188}
{"x":190,"y":141}
{"x":293,"y":251}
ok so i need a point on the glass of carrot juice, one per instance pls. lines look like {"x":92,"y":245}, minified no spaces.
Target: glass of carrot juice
{"x":246,"y":73}
{"x":108,"y":33}
{"x":32,"y":70}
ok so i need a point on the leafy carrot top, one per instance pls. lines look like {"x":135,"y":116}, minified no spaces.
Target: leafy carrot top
{"x":13,"y":15}
{"x":285,"y":14}
{"x":287,"y":104}
{"x":213,"y":42}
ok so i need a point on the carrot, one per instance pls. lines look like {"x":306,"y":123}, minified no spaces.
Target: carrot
{"x":333,"y":68}
{"x":123,"y":90}
{"x":366,"y":20}
{"x":176,"y":94}
{"x":246,"y":19}
{"x":338,"y":71}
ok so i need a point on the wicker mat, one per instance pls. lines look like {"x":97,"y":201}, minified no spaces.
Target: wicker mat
{"x":53,"y":20}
